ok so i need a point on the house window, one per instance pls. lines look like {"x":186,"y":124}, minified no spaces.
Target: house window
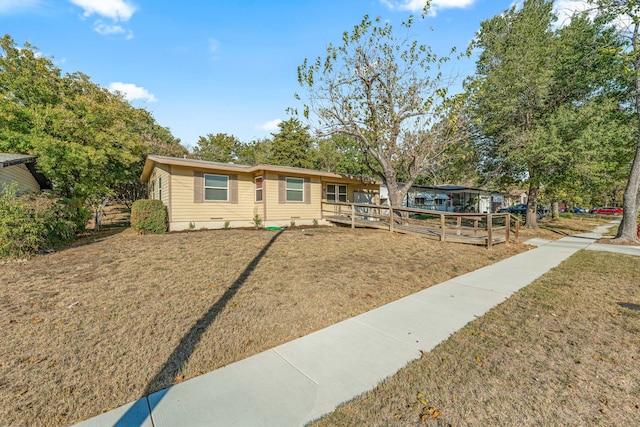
{"x":295,"y":189}
{"x":216,"y":187}
{"x":258,"y":182}
{"x":153,"y":189}
{"x":160,"y":188}
{"x":336,"y":193}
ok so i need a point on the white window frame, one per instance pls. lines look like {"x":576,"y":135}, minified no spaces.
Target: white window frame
{"x":338,"y":193}
{"x":160,"y":188}
{"x":205,"y":187}
{"x":258,"y":190}
{"x":287,"y":189}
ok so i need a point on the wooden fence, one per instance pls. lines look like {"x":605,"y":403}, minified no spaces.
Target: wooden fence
{"x":473,"y":228}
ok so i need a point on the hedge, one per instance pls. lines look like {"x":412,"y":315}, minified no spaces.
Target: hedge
{"x":33,"y":223}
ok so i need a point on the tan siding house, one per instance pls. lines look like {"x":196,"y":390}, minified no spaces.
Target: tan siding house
{"x":200,"y":194}
{"x":20,"y":169}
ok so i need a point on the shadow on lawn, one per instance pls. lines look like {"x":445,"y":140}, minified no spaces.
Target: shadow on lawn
{"x":140,"y":410}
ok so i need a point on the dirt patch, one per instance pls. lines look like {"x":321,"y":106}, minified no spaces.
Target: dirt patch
{"x":560,"y":352}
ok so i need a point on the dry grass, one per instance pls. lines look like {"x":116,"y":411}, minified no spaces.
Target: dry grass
{"x":121,"y":315}
{"x":561,"y":352}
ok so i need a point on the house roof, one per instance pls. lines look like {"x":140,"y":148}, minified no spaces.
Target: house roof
{"x":9,"y":159}
{"x":152,"y":160}
{"x":449,"y":188}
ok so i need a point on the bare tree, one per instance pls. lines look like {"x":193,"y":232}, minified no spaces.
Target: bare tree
{"x":389,"y":94}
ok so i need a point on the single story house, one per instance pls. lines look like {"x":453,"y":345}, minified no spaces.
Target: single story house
{"x":21,"y":169}
{"x":201,"y":194}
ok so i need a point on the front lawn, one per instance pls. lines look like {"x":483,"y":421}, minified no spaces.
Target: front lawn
{"x":121,"y":315}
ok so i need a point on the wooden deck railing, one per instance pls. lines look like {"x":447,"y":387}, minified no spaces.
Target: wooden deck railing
{"x":484,"y":229}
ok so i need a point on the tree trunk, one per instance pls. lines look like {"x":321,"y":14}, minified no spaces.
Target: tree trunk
{"x":532,"y":207}
{"x":555,"y":211}
{"x":100,"y":213}
{"x":628,"y":231}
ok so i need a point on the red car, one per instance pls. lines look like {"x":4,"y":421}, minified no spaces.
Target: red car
{"x":607,"y":211}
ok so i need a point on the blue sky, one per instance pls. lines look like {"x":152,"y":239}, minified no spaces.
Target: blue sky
{"x":219,"y":66}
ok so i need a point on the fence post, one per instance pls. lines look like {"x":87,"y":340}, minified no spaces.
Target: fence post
{"x":507,"y":229}
{"x":442,"y":227}
{"x":517,"y":226}
{"x":489,"y":231}
{"x":353,"y":216}
{"x":459,"y":225}
{"x":390,"y":219}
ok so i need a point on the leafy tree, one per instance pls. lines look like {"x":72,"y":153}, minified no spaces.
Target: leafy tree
{"x":292,"y":145}
{"x":217,"y":148}
{"x":628,"y":12}
{"x":339,"y":153}
{"x":386,"y":93}
{"x":89,"y":142}
{"x":255,"y":152}
{"x":529,"y":78}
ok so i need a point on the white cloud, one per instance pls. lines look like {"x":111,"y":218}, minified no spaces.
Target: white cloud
{"x":117,"y":10}
{"x":271,"y":125}
{"x":132,"y":92}
{"x":11,"y":6}
{"x":564,"y":9}
{"x":418,"y":5}
{"x":107,"y":30}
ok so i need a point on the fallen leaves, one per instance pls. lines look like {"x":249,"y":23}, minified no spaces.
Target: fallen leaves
{"x":428,"y":412}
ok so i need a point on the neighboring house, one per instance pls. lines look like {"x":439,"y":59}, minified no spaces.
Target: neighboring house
{"x":21,"y":169}
{"x":200,"y":194}
{"x":516,"y":197}
{"x":450,"y":198}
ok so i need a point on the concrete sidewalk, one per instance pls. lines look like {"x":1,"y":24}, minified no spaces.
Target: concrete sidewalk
{"x":304,"y":379}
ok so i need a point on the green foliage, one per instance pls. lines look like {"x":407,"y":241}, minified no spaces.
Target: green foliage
{"x":565,"y":215}
{"x":33,"y":223}
{"x":535,"y":94}
{"x":315,"y":221}
{"x":257,"y":219}
{"x":192,"y":225}
{"x":149,"y":216}
{"x":339,"y":153}
{"x":90,"y":142}
{"x":227,"y":224}
{"x":292,"y":224}
{"x":292,"y":145}
{"x":220,"y":147}
{"x":77,"y":212}
{"x":255,"y":152}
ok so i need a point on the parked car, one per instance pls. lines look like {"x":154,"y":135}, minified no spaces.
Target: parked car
{"x":521,"y":209}
{"x":578,"y":210}
{"x":608,"y":210}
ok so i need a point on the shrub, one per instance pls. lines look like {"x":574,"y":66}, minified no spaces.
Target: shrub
{"x":32,"y":223}
{"x":79,"y":214}
{"x":257,"y":219}
{"x":149,"y":216}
